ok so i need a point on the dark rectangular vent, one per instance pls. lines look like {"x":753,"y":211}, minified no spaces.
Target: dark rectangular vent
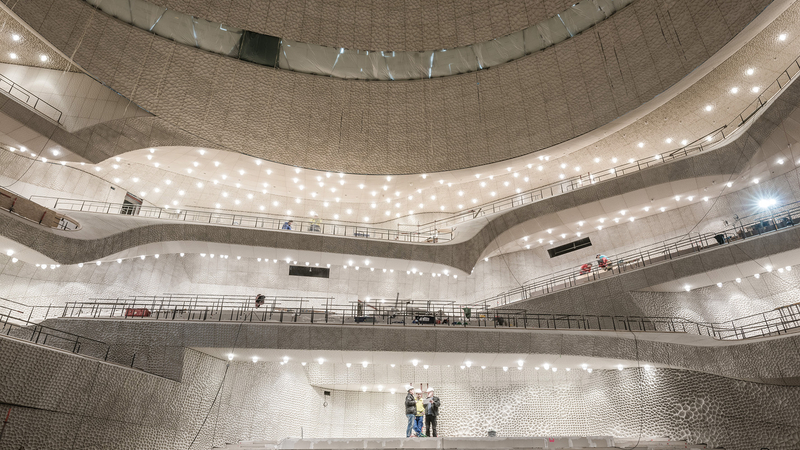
{"x":259,"y":48}
{"x":571,"y":247}
{"x":304,"y":271}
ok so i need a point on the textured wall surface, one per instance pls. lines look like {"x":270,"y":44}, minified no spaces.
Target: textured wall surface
{"x":61,"y":401}
{"x":462,"y":255}
{"x":611,"y":295}
{"x":382,"y":25}
{"x":88,"y":404}
{"x":632,"y":403}
{"x":750,"y":360}
{"x":424,"y":126}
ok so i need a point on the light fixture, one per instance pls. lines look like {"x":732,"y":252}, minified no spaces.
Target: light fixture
{"x":414,"y":363}
{"x":43,"y":58}
{"x":781,"y":37}
{"x":734,"y":90}
{"x":767,"y":202}
{"x":750,"y":71}
{"x":230,"y":356}
{"x":320,"y":361}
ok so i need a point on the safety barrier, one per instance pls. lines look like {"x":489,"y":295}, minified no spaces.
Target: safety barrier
{"x":393,"y":312}
{"x":774,"y":219}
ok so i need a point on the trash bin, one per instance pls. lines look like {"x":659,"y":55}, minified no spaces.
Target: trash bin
{"x":720,"y":238}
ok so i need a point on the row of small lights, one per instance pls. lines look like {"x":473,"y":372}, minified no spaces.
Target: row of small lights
{"x":466,"y":365}
{"x":366,"y":219}
{"x":326,"y":203}
{"x":764,"y":203}
{"x":212,"y":256}
{"x":756,"y":275}
{"x":175,"y":203}
{"x":617,"y":219}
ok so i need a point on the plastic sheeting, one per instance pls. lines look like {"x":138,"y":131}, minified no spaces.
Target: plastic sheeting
{"x":365,"y":64}
{"x":180,"y":27}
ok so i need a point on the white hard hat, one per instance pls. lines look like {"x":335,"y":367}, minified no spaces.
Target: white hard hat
{"x":430,"y":389}
{"x":409,"y":387}
{"x":418,"y":391}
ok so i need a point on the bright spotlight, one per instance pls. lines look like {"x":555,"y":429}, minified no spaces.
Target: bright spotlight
{"x":766,"y":203}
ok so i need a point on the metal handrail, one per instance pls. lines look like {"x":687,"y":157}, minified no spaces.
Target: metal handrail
{"x":64,"y":340}
{"x":430,"y":232}
{"x":243,"y":309}
{"x":248,"y":221}
{"x":775,"y":219}
{"x":584,"y":180}
{"x":18,"y":202}
{"x":31,"y":99}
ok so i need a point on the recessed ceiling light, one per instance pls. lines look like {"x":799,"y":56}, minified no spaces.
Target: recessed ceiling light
{"x":709,"y":107}
{"x":750,"y":71}
{"x":43,"y":58}
{"x":781,"y":37}
{"x":734,"y":90}
{"x":16,"y":37}
{"x":12,"y":55}
{"x":755,"y":89}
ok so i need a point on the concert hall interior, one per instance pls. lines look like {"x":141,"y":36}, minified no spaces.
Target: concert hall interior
{"x":338,"y":224}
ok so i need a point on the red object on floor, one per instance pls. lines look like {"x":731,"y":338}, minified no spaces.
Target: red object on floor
{"x":137,"y":312}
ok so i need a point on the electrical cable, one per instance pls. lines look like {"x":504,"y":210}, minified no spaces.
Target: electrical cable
{"x":221,"y":383}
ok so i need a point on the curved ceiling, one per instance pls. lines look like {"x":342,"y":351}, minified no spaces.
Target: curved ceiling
{"x":402,"y":127}
{"x":394,"y":25}
{"x":359,"y":64}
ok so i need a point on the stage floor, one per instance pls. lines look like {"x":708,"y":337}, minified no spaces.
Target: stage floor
{"x":469,"y":443}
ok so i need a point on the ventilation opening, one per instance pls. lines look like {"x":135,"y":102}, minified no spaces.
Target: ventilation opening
{"x":571,"y":247}
{"x":315,"y":272}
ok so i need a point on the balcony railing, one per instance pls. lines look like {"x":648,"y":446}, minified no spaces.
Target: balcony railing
{"x":773,"y":219}
{"x":584,"y":180}
{"x":30,"y":99}
{"x":393,"y":312}
{"x":441,"y":230}
{"x":246,"y":221}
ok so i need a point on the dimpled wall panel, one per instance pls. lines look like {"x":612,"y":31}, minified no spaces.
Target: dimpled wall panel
{"x":630,"y":403}
{"x":73,"y":402}
{"x":462,"y":121}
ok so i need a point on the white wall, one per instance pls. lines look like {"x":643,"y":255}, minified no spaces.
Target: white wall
{"x":83,"y":100}
{"x":29,"y":178}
